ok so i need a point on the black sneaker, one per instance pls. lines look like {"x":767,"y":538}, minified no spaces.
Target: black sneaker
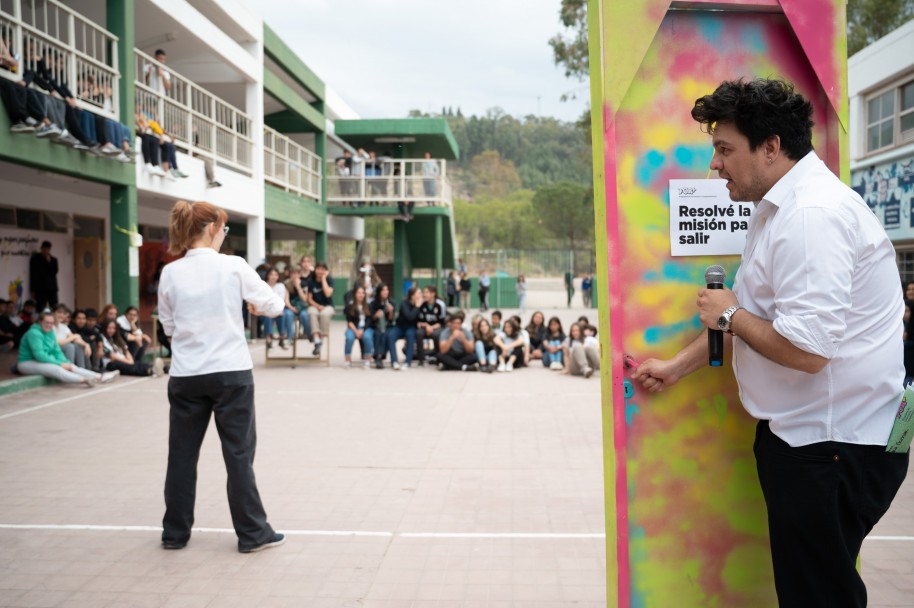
{"x":173,"y":544}
{"x":275,"y":541}
{"x":317,"y":350}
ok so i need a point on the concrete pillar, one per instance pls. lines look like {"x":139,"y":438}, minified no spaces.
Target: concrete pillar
{"x":125,"y":260}
{"x":257,"y":240}
{"x":320,"y":246}
{"x":401,"y":259}
{"x":120,"y":16}
{"x":439,"y":254}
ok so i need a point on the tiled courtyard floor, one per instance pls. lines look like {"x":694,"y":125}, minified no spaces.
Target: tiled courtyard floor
{"x":411,"y":489}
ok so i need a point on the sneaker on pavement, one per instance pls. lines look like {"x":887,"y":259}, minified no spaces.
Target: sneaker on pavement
{"x":501,"y":367}
{"x":347,"y":365}
{"x":158,"y":367}
{"x":588,"y":371}
{"x":395,"y":366}
{"x":275,"y":541}
{"x":366,"y":364}
{"x":556,"y":366}
{"x":109,"y":376}
{"x":173,"y":544}
{"x":509,"y":367}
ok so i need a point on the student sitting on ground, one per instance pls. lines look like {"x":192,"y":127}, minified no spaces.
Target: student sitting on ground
{"x":581,"y":358}
{"x":10,"y":323}
{"x":133,"y":336}
{"x":407,"y":320}
{"x":39,"y":355}
{"x":108,"y":313}
{"x":71,"y":344}
{"x":358,"y":327}
{"x":431,"y":323}
{"x":383,"y":310}
{"x":525,"y":336}
{"x":553,"y":346}
{"x":511,"y":344}
{"x":496,"y":321}
{"x":486,"y":349}
{"x":80,"y":325}
{"x":116,"y":356}
{"x":536,"y":330}
{"x":455,"y":347}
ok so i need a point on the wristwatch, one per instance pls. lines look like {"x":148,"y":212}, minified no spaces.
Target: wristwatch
{"x":723,"y":322}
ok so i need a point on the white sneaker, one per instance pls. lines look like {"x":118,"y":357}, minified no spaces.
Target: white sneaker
{"x":123,"y":158}
{"x":395,"y":366}
{"x":501,"y":367}
{"x":48,"y":130}
{"x":366,"y":364}
{"x":21,"y":127}
{"x":154,"y":170}
{"x":556,"y":366}
{"x":588,"y":371}
{"x":158,"y":367}
{"x":89,"y":382}
{"x":109,"y":376}
{"x":347,"y":365}
{"x":509,"y":367}
{"x":110,"y":149}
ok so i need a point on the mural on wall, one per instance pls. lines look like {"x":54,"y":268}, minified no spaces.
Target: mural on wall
{"x":685,"y":518}
{"x":16,"y":248}
{"x":888,"y":189}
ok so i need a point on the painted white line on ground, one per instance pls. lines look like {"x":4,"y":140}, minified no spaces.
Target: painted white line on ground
{"x":893,"y":538}
{"x":438,"y":535}
{"x":85,"y":392}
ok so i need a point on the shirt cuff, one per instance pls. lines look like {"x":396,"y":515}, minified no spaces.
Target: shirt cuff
{"x":807,"y":333}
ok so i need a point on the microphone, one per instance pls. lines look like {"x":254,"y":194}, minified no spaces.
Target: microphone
{"x":714,"y":277}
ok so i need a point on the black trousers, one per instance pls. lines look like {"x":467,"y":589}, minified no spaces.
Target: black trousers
{"x":19,"y":103}
{"x":455,"y":361}
{"x":193,"y":399}
{"x":484,"y":298}
{"x":422,"y":335}
{"x":823,"y":499}
{"x":45,"y":298}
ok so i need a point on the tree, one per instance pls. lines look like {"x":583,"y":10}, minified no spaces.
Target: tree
{"x":566,"y":210}
{"x":493,"y":177}
{"x":870,"y":20}
{"x":570,"y":51}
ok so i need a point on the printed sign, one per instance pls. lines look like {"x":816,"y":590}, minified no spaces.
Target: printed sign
{"x":703,"y":219}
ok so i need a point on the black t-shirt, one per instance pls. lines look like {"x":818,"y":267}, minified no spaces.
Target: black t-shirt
{"x":377,"y":305}
{"x":464,"y":284}
{"x":537,"y":337}
{"x":316,"y":288}
{"x":433,"y":314}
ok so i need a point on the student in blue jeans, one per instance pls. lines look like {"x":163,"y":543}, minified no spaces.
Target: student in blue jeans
{"x":383,"y":310}
{"x":406,"y":327}
{"x":486,"y":350}
{"x":358,"y":327}
{"x":552,"y":345}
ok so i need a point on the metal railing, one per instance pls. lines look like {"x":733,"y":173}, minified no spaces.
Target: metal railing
{"x":290,"y":166}
{"x":199,"y":122}
{"x":388,"y":181}
{"x":75,"y":51}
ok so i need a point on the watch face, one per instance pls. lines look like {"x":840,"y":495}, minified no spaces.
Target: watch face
{"x":723,"y":323}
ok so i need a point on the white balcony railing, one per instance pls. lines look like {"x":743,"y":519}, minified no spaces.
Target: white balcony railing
{"x":388,"y":182}
{"x":199,"y":122}
{"x":78,"y":53}
{"x":291,"y":166}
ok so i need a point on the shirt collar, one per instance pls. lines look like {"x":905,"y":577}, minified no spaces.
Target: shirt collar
{"x":201,"y":251}
{"x":786,"y":184}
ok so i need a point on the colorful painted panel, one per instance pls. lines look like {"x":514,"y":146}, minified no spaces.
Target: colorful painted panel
{"x":686,"y":523}
{"x":888,"y":189}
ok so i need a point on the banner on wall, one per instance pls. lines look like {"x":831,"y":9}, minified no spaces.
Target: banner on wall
{"x":16,"y":249}
{"x":703,"y":219}
{"x":888,"y":189}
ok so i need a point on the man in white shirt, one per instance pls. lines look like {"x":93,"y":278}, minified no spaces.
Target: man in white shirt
{"x":157,"y":77}
{"x":815,"y":324}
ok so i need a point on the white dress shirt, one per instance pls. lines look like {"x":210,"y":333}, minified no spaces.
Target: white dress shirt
{"x":819,"y":265}
{"x":200,"y":303}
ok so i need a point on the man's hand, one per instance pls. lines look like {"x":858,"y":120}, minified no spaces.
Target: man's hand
{"x":712,"y":303}
{"x":655,"y":375}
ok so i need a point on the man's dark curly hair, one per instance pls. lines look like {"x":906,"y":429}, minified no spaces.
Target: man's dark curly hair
{"x":759,"y":109}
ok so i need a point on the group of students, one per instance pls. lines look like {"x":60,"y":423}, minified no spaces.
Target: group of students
{"x":78,"y":347}
{"x":451,"y":341}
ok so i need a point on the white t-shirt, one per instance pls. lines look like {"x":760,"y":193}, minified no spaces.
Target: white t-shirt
{"x":280,"y":290}
{"x":152,"y":78}
{"x":61,"y":331}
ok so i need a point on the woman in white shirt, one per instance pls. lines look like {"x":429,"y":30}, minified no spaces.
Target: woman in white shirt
{"x":200,"y":304}
{"x":286,"y":321}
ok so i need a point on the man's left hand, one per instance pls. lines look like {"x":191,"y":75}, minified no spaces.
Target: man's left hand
{"x":712,"y":303}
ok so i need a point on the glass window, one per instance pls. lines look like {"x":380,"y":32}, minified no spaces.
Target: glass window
{"x":8,"y":216}
{"x":54,"y":222}
{"x":28,"y":219}
{"x":907,"y":97}
{"x":881,"y":121}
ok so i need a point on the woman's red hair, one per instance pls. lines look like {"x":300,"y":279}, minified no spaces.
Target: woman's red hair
{"x":188,"y":220}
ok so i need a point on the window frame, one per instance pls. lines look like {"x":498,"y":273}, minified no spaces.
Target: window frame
{"x":899,"y":137}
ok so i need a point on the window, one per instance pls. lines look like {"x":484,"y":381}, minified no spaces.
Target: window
{"x":890,"y":118}
{"x":880,"y":128}
{"x":905,"y":259}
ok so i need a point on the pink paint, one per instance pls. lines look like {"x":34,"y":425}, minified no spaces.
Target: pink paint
{"x":813,"y":22}
{"x":615,"y":324}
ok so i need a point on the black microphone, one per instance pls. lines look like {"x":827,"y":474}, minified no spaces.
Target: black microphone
{"x":714,"y":277}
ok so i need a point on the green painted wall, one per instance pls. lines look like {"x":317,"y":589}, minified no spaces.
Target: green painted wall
{"x":125,"y":289}
{"x":311,"y":118}
{"x":431,"y":135}
{"x":280,"y":52}
{"x":281,"y":206}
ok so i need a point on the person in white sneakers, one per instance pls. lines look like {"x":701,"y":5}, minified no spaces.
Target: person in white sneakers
{"x":581,"y":353}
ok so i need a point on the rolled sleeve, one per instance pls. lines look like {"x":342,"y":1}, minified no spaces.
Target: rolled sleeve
{"x":812,"y":277}
{"x":258,"y":293}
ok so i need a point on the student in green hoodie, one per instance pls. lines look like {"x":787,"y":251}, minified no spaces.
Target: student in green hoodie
{"x":40,"y":355}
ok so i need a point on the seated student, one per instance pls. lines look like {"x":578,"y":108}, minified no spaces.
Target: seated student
{"x":71,"y":344}
{"x":553,"y":346}
{"x":486,"y":349}
{"x":536,"y":330}
{"x":133,"y":336}
{"x":286,"y":319}
{"x":81,"y":326}
{"x":496,"y":321}
{"x":582,"y":355}
{"x":432,"y":316}
{"x":358,"y":327}
{"x":11,"y":329}
{"x":39,"y":355}
{"x":297,"y":289}
{"x":383,"y":309}
{"x":116,"y":356}
{"x":320,"y":304}
{"x":525,"y":336}
{"x":108,"y":313}
{"x":511,"y":343}
{"x":407,"y":319}
{"x":456,"y":349}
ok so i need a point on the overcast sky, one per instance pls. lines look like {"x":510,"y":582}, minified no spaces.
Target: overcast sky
{"x":386,"y":57}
